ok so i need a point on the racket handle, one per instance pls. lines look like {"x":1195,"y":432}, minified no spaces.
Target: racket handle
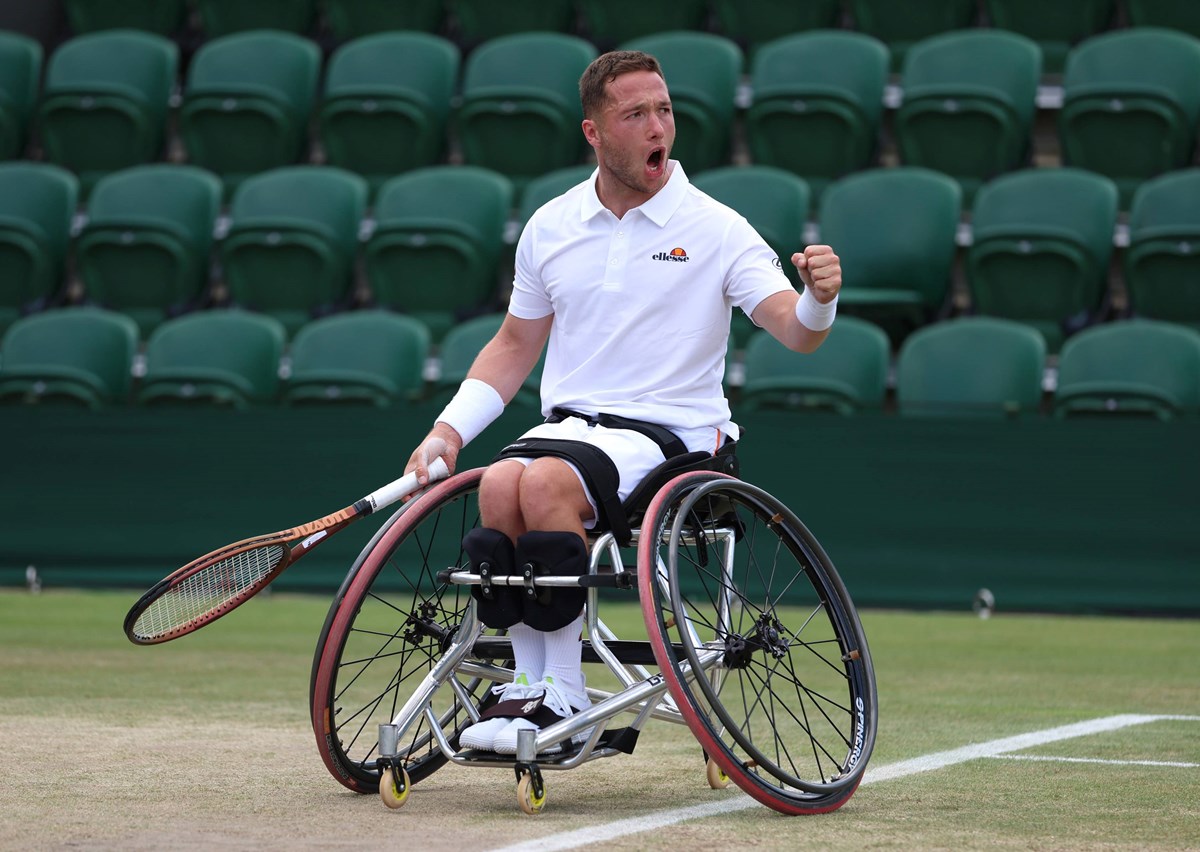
{"x":402,"y":487}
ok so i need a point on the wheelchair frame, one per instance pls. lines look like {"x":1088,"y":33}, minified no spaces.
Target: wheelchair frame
{"x":732,"y":588}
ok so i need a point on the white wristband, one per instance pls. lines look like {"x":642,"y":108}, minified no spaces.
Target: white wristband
{"x":812,"y":314}
{"x":473,"y":408}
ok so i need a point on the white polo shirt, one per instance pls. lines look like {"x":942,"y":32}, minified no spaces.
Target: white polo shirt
{"x":641,"y":304}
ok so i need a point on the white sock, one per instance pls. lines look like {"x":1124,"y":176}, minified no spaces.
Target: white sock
{"x":529,"y":653}
{"x":564,"y":652}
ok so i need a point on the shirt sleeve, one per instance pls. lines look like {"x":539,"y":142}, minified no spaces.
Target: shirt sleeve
{"x":529,"y":299}
{"x":754,"y":271}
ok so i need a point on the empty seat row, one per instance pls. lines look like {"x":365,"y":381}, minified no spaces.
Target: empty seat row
{"x":386,"y":103}
{"x":435,"y":246}
{"x":981,"y":367}
{"x":969,"y":367}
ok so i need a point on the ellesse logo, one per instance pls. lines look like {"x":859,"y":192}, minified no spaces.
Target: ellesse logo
{"x":675,"y":254}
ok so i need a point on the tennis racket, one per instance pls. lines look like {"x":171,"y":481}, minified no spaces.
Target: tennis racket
{"x":217,"y":583}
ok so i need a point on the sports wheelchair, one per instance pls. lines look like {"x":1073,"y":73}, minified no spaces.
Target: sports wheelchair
{"x":752,"y":642}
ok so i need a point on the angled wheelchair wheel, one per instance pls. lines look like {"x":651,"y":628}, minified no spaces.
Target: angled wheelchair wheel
{"x":759,"y":642}
{"x":387,"y":627}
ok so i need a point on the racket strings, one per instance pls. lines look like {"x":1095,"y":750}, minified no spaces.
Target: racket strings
{"x":208,"y":591}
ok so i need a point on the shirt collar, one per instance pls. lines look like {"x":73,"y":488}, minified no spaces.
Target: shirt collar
{"x":658,"y":208}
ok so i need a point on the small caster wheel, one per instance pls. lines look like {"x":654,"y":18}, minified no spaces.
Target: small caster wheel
{"x":393,"y":789}
{"x":717,"y":779}
{"x":530,"y":799}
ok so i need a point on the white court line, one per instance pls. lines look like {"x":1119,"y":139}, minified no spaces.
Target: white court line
{"x":1049,"y":758}
{"x":937,"y":760}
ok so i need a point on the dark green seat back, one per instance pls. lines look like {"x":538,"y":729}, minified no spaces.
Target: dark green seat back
{"x":1182,"y":15}
{"x":350,"y":19}
{"x":608,"y":23}
{"x":386,"y":103}
{"x":373,"y":358}
{"x":438,"y":237}
{"x":752,"y":25}
{"x":481,"y":20}
{"x":901,"y":25}
{"x":292,"y":241}
{"x":223,"y":357}
{"x":824,"y":87}
{"x":1056,"y":27}
{"x":896,"y":266}
{"x":520,"y":112}
{"x":164,"y":17}
{"x":548,"y":187}
{"x":1139,"y":367}
{"x":20,"y":75}
{"x":969,"y":103}
{"x":1041,"y":243}
{"x":847,"y":373}
{"x":775,"y":202}
{"x":1162,"y":262}
{"x":971,"y":367}
{"x":37,"y":203}
{"x":702,"y":71}
{"x":222,"y":17}
{"x":145,"y":249}
{"x":104,"y":102}
{"x":457,"y":352}
{"x":1126,"y":117}
{"x":77,"y":355}
{"x":247,"y":103}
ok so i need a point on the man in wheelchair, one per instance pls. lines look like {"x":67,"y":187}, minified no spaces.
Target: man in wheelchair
{"x":630,"y":278}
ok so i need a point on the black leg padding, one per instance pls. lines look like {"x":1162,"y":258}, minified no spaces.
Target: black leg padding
{"x":491,"y":554}
{"x":561,"y":554}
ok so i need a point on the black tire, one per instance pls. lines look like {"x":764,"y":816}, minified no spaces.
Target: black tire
{"x":388,"y":625}
{"x":789,"y":708}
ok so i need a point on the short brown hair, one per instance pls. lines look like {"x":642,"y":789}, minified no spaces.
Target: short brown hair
{"x":593,"y":85}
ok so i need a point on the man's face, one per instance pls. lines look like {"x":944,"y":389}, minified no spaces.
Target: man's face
{"x":634,"y":133}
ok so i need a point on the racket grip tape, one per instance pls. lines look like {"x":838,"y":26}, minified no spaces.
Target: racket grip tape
{"x":401,"y":487}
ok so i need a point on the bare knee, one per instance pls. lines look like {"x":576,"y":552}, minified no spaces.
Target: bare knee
{"x":552,"y":498}
{"x":499,"y":500}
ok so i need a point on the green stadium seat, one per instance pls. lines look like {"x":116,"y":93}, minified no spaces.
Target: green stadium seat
{"x":702,"y":72}
{"x":104,"y":102}
{"x":292,"y":242}
{"x":482,"y":20}
{"x":372,"y":358}
{"x":1133,"y":367}
{"x":971,"y":367}
{"x":775,"y":202}
{"x":223,"y":17}
{"x":1056,"y":27}
{"x":145,"y":250}
{"x":82,"y":356}
{"x":1041,"y":244}
{"x":164,"y":17}
{"x":970,"y":97}
{"x":386,"y":103}
{"x":520,"y":112}
{"x":439,"y":234}
{"x":901,"y":25}
{"x":548,"y":187}
{"x":20,"y":74}
{"x":612,"y":22}
{"x":896,"y":270}
{"x":458,"y":350}
{"x":1127,"y":118}
{"x":823,"y":87}
{"x":1182,"y":15}
{"x":227,"y":358}
{"x":847,"y":374}
{"x":1162,"y":262}
{"x":37,"y":203}
{"x":247,"y":102}
{"x":752,"y":25}
{"x":351,"y":19}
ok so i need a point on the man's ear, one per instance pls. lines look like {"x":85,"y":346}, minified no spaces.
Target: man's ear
{"x":591,"y":133}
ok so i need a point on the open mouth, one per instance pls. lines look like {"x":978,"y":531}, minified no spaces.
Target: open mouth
{"x":656,"y":161}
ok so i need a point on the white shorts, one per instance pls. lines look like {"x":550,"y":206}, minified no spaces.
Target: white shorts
{"x":634,"y":454}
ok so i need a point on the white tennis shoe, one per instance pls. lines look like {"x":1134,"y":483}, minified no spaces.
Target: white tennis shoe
{"x":482,"y":734}
{"x":555,"y":700}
